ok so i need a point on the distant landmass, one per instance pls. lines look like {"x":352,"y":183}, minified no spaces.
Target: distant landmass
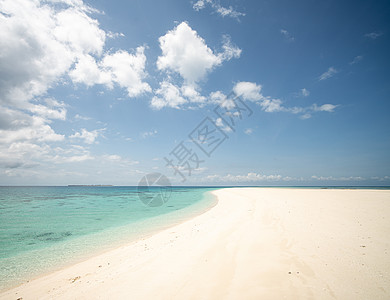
{"x":95,"y":185}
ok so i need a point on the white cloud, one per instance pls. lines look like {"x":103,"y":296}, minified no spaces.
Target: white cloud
{"x":248,"y":131}
{"x":72,"y":154}
{"x":249,"y":177}
{"x":39,"y":43}
{"x":18,"y":126}
{"x":121,"y":67}
{"x":305,"y":92}
{"x":324,"y":107}
{"x":26,"y":155}
{"x":305,"y":116}
{"x":384,"y":178}
{"x":128,"y":70}
{"x":331,"y":178}
{"x":199,"y":5}
{"x":118,"y":159}
{"x":229,"y":49}
{"x":147,"y":134}
{"x":167,"y":95}
{"x":114,"y":35}
{"x":75,"y":158}
{"x":217,"y":97}
{"x":287,"y":35}
{"x":328,"y":74}
{"x":373,"y":35}
{"x":356,"y":59}
{"x":50,"y":109}
{"x":186,"y":53}
{"x":79,"y":117}
{"x":222,"y":125}
{"x":308,"y":111}
{"x":89,"y":137}
{"x":228,"y":12}
{"x":88,"y":72}
{"x":248,"y":90}
{"x":271,"y":105}
{"x":170,"y":95}
{"x":43,"y":43}
{"x":192,"y":94}
{"x":222,"y":11}
{"x":90,"y":39}
{"x":252,"y":92}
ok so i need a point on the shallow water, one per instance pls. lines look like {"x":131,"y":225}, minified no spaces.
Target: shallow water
{"x":45,"y":228}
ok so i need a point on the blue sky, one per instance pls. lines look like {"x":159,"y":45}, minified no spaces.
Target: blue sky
{"x":104,"y":92}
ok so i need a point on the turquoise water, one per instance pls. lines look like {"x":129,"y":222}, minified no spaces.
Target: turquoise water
{"x":45,"y":228}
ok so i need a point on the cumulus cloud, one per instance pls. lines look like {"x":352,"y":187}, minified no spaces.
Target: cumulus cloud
{"x":128,"y":70}
{"x":167,"y":95}
{"x":186,"y":53}
{"x":248,"y":90}
{"x":44,"y":43}
{"x":122,"y":68}
{"x":39,"y":43}
{"x":221,"y":10}
{"x":16,"y":125}
{"x":89,"y":137}
{"x":217,"y":97}
{"x":252,"y":92}
{"x":192,"y":94}
{"x":328,"y":74}
{"x":49,"y":109}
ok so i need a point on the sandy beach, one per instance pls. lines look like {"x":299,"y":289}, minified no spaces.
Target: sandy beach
{"x":256,"y":243}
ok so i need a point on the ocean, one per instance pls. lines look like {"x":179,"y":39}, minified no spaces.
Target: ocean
{"x":43,"y":229}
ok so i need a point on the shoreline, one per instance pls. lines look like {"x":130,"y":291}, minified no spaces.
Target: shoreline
{"x":150,"y":227}
{"x":255,"y":242}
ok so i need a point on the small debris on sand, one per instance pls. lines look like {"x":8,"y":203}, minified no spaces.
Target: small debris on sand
{"x":72,"y":280}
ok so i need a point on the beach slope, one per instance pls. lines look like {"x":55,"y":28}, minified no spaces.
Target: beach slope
{"x":256,"y":243}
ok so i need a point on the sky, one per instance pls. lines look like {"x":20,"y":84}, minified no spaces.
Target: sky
{"x":270,"y":93}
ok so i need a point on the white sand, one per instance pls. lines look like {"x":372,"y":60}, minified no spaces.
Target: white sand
{"x":254,"y":244}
